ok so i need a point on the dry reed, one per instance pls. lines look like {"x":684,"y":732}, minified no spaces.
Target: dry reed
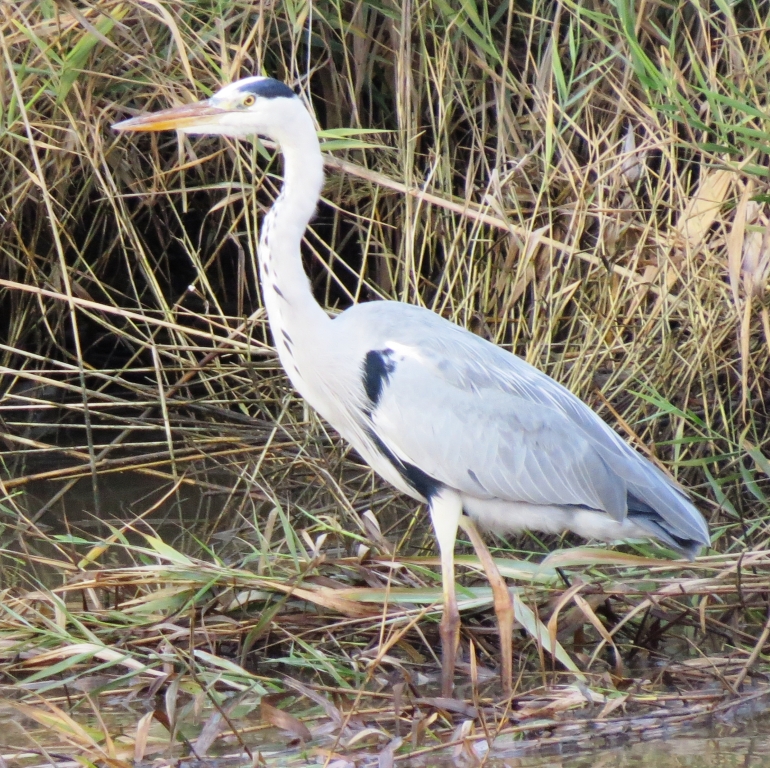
{"x":586,"y":186}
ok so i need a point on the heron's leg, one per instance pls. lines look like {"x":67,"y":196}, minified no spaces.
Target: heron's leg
{"x":502,"y":602}
{"x":446,"y":508}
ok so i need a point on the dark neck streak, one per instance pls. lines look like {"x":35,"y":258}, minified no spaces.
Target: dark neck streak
{"x":297,"y":321}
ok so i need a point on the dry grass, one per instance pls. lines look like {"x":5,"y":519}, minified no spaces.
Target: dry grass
{"x":585,"y":186}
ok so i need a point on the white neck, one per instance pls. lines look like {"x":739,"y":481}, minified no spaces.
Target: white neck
{"x":296,"y":318}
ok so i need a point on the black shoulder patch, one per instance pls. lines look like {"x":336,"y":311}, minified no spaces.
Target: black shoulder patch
{"x":377,"y":369}
{"x":268,"y":88}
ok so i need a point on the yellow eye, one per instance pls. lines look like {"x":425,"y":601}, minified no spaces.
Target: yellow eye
{"x":249,"y":100}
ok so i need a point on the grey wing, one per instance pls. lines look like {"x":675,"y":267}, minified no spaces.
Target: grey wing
{"x":483,"y":421}
{"x":490,"y":444}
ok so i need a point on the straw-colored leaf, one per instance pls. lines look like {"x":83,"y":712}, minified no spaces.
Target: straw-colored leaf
{"x":167,"y":552}
{"x":538,"y":631}
{"x":704,"y":206}
{"x":735,"y":242}
{"x":759,"y":458}
{"x":579,"y":556}
{"x":97,"y":651}
{"x":142,"y":734}
{"x":57,"y":719}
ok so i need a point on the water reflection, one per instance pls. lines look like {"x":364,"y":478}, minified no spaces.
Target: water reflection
{"x":46,"y":528}
{"x":746,"y":746}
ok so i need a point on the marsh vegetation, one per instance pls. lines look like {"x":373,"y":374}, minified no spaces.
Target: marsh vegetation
{"x":584,"y":184}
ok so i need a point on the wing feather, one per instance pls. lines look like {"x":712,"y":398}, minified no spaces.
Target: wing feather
{"x":480,"y":419}
{"x":527,"y":454}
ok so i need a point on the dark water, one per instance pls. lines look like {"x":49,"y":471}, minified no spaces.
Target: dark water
{"x":737,"y":746}
{"x":745,"y":746}
{"x":185,"y":519}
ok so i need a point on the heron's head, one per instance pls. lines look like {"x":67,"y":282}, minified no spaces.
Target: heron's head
{"x":254,"y":105}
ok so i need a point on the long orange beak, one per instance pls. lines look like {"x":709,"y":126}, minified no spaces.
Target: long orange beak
{"x":187,"y":116}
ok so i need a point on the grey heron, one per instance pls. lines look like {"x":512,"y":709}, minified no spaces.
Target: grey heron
{"x":442,"y":414}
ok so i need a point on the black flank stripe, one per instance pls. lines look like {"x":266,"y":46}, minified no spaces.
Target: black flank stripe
{"x":422,"y":482}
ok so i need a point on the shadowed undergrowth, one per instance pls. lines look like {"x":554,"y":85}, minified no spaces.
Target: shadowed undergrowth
{"x":584,"y":185}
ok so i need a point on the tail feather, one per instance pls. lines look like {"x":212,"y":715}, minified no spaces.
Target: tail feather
{"x":643,"y":515}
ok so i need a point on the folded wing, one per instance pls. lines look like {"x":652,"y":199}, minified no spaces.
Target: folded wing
{"x":483,"y":421}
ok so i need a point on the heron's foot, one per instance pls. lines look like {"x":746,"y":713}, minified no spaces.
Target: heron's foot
{"x":449,"y":630}
{"x":504,"y":612}
{"x":502,"y":602}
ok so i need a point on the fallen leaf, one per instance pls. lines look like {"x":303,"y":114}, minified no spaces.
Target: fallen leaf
{"x":211,"y":729}
{"x":142,"y":732}
{"x":702,"y":209}
{"x":284,"y":721}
